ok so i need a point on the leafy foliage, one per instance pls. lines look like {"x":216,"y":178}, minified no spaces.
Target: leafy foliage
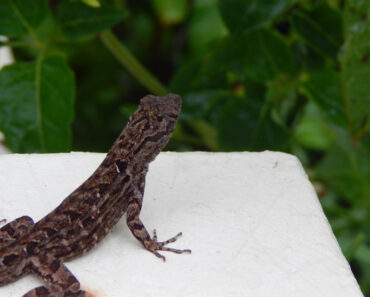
{"x":76,"y":19}
{"x":36,"y":105}
{"x":254,"y":75}
{"x":245,"y":16}
{"x":20,"y":17}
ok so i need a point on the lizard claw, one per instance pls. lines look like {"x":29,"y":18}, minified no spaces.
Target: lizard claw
{"x":154,"y":246}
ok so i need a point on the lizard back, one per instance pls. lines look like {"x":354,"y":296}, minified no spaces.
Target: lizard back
{"x":89,"y":212}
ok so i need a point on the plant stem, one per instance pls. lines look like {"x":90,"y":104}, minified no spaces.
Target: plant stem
{"x":14,"y":43}
{"x":120,"y":51}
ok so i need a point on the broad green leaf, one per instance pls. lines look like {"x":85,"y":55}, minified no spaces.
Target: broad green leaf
{"x":347,"y":168}
{"x":208,"y":71}
{"x":197,"y":110}
{"x":36,"y":105}
{"x":76,"y":19}
{"x":258,"y":56}
{"x":247,"y":15}
{"x":205,"y":26}
{"x":247,"y":61}
{"x":364,"y":254}
{"x":226,"y":111}
{"x":202,"y":104}
{"x":171,"y":12}
{"x":244,"y":124}
{"x":21,"y":17}
{"x":306,"y":58}
{"x":355,"y":62}
{"x":320,"y":28}
{"x":282,"y":94}
{"x":266,"y":53}
{"x":312,"y":131}
{"x":261,"y":54}
{"x":323,"y":88}
{"x":184,"y":78}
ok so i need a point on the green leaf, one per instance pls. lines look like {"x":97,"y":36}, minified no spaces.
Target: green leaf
{"x":184,"y":78}
{"x":171,"y":12}
{"x":312,"y":132}
{"x":364,"y":254}
{"x":263,"y":54}
{"x":225,"y":111}
{"x":347,"y":168}
{"x":77,"y":20}
{"x":267,"y":49}
{"x":247,"y":15}
{"x":354,"y":246}
{"x":282,"y":93}
{"x":202,"y":104}
{"x":323,"y":88}
{"x":320,"y":28}
{"x":21,"y":17}
{"x":260,"y":56}
{"x":355,"y":62}
{"x":306,"y":58}
{"x":205,"y":26}
{"x":36,"y":105}
{"x":243,"y":123}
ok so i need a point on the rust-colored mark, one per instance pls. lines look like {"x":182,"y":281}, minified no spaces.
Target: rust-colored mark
{"x":92,"y":293}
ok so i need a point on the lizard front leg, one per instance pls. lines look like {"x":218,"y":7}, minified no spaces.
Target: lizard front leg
{"x":15,"y":229}
{"x":138,"y":229}
{"x":60,"y":282}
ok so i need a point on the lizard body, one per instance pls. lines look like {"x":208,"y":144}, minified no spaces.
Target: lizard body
{"x":89,"y":212}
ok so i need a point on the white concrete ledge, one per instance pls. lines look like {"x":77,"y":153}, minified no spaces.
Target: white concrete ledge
{"x":252,"y":220}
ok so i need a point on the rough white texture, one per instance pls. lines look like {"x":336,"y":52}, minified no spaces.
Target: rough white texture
{"x":252,"y":220}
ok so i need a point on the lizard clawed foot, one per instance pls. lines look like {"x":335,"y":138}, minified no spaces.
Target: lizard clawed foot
{"x":154,"y":246}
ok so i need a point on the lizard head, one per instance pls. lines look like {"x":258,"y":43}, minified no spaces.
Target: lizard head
{"x":161,"y":114}
{"x":147,"y":131}
{"x":154,"y":123}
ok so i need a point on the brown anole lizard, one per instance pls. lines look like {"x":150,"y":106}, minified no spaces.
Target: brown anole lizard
{"x":90,"y":212}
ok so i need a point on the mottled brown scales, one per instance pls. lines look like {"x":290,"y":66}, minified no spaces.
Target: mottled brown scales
{"x":89,"y":212}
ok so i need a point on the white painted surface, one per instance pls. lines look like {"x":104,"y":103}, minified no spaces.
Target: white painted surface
{"x":252,"y":220}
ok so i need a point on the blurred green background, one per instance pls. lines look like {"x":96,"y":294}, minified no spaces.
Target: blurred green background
{"x":291,"y":76}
